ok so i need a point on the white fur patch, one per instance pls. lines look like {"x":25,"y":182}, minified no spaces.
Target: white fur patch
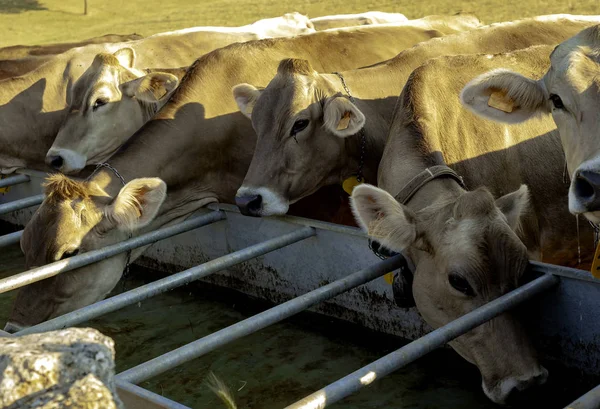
{"x":273,"y":204}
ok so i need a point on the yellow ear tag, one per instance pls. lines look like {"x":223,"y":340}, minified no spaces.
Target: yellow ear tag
{"x":501,"y":101}
{"x":344,"y":122}
{"x":389,"y":278}
{"x":4,"y":189}
{"x":349,"y":184}
{"x":596,"y":263}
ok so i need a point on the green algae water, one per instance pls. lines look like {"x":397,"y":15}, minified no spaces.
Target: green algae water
{"x":284,"y":362}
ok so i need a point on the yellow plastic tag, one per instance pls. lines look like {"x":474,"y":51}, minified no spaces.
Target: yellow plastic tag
{"x":501,"y":101}
{"x":4,"y":189}
{"x":389,"y":278}
{"x":344,"y":122}
{"x":596,"y":263}
{"x":349,"y":184}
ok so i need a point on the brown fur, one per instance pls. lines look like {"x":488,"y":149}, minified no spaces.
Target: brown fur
{"x":291,"y":66}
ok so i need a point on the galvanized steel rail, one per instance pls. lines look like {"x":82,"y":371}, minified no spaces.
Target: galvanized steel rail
{"x":52,"y":269}
{"x":590,"y":400}
{"x":10,"y":238}
{"x":427,"y":343}
{"x":253,"y":324}
{"x":13,"y":180}
{"x":21,"y":204}
{"x":168,"y":283}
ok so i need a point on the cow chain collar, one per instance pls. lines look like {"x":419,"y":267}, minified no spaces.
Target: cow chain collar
{"x":118,"y":175}
{"x":361,"y":133}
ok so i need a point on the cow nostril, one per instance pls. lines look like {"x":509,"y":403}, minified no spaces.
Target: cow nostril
{"x":249,"y":205}
{"x":56,"y":162}
{"x":583,"y":188}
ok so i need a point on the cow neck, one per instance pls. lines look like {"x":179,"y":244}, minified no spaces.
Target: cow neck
{"x":365,"y":148}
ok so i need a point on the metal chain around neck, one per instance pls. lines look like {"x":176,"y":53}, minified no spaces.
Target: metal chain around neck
{"x":118,"y":175}
{"x":361,"y":133}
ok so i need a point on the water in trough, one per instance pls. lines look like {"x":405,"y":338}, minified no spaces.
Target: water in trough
{"x":285,"y":362}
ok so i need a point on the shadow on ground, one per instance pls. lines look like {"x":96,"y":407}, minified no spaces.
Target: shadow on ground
{"x":19,"y":6}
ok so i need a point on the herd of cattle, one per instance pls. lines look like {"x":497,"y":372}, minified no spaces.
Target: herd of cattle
{"x":448,"y":117}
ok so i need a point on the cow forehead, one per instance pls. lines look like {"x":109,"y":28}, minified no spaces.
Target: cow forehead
{"x":283,"y":98}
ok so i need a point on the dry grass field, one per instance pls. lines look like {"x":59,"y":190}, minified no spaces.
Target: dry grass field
{"x":39,"y":22}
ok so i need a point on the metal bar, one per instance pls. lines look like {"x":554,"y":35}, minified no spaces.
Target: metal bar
{"x":253,"y":324}
{"x":168,"y":283}
{"x":590,"y":400}
{"x":135,"y":397}
{"x":416,"y":349}
{"x":52,"y":269}
{"x":13,"y":180}
{"x":562,"y":271}
{"x":21,"y":204}
{"x":317,"y":224}
{"x":10,"y":238}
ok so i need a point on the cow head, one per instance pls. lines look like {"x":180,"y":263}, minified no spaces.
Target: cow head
{"x":108,"y":104}
{"x":466,"y":254}
{"x":570,"y":93}
{"x":76,"y":217}
{"x":302,"y":123}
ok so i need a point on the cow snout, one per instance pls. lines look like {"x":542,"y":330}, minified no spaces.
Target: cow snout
{"x":55,"y":162}
{"x":249,"y":205}
{"x":587,"y":189}
{"x":516,"y":391}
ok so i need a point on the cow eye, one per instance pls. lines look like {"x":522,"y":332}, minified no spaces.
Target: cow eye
{"x":556,"y":101}
{"x":69,"y":253}
{"x":299,"y":126}
{"x":99,"y":102}
{"x":459,"y":283}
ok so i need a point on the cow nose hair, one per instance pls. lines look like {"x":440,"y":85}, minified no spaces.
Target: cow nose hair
{"x":55,"y":161}
{"x":249,"y":205}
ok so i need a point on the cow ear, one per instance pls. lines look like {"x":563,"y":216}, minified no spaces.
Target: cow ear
{"x":126,"y":57}
{"x":505,"y":96}
{"x":383,"y":218}
{"x":152,"y":88}
{"x":514,"y":205}
{"x":342,"y":118}
{"x":137,"y":203}
{"x":245,"y":96}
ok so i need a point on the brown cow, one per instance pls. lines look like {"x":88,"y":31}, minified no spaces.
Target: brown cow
{"x":568,"y":91}
{"x":198,"y":144}
{"x":468,"y":248}
{"x":309,"y":130}
{"x":33,"y":106}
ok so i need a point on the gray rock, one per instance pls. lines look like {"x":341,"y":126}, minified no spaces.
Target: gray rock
{"x":72,"y":368}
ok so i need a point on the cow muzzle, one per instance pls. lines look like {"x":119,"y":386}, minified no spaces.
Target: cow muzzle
{"x":65,"y":160}
{"x":249,"y":205}
{"x":516,"y":391}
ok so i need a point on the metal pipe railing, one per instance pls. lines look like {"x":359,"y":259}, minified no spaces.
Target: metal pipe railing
{"x":10,"y":238}
{"x":590,"y":400}
{"x":168,"y":283}
{"x":21,"y":204}
{"x":52,"y":269}
{"x":13,"y":180}
{"x":147,"y":398}
{"x":427,"y":343}
{"x":257,"y":322}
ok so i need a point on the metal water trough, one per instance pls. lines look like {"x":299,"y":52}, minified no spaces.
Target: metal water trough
{"x":136,"y":397}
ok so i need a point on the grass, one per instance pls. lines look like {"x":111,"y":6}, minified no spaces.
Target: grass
{"x":39,"y":22}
